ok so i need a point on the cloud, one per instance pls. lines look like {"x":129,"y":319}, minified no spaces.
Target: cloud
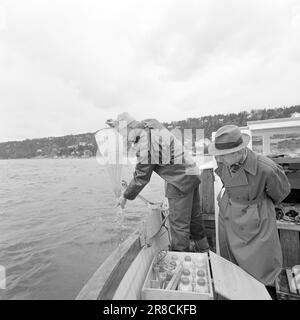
{"x":66,"y":66}
{"x":203,"y":33}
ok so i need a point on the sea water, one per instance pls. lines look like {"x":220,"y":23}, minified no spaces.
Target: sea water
{"x":58,"y":223}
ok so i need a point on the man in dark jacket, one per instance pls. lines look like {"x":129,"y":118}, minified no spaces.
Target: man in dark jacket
{"x":159,"y":151}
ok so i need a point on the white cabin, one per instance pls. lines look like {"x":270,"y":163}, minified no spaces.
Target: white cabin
{"x":275,"y":136}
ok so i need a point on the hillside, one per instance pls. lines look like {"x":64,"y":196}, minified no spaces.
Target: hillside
{"x":213,"y":123}
{"x":84,"y":145}
{"x":81,"y":145}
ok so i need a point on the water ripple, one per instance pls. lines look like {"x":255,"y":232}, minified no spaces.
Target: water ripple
{"x":58,"y":224}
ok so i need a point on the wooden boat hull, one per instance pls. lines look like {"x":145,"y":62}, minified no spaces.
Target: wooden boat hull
{"x":122,"y":274}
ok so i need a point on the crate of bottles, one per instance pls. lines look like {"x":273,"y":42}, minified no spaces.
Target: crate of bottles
{"x":178,"y":276}
{"x":287,"y":284}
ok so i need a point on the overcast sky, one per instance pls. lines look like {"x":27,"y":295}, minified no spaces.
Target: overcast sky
{"x":66,"y":65}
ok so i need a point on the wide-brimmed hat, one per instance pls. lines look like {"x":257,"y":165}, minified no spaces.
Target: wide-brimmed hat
{"x":228,"y":139}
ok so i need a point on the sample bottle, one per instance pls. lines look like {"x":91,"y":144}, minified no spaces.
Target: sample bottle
{"x":187,"y":263}
{"x":200,"y":263}
{"x":201,"y":286}
{"x":155,"y":272}
{"x":185,"y":284}
{"x":162,"y":277}
{"x":201,"y":273}
{"x":174,"y":259}
{"x":187,"y":273}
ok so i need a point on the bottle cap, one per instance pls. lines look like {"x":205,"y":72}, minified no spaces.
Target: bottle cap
{"x":185,"y":280}
{"x":200,"y":273}
{"x":201,"y":282}
{"x":186,"y":272}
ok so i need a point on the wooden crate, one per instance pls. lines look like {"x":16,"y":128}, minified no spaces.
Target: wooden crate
{"x":283,"y":291}
{"x":226,"y":281}
{"x":289,"y":234}
{"x":149,"y":293}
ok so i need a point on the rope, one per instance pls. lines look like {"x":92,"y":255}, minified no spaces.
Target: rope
{"x":161,"y":225}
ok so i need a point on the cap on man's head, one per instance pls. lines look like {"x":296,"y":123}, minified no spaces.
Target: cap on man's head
{"x":125,"y":117}
{"x":123,"y":120}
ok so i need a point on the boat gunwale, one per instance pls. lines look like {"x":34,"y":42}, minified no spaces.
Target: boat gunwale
{"x":105,"y":281}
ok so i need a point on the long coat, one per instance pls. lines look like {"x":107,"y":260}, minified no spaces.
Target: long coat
{"x":248,"y":233}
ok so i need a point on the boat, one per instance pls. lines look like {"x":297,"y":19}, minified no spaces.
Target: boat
{"x":123,"y":273}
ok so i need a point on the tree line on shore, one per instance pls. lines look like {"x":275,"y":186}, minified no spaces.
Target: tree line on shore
{"x":84,"y":145}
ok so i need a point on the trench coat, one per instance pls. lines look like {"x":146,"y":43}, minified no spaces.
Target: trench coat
{"x":248,"y":233}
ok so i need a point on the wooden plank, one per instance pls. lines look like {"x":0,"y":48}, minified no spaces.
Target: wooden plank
{"x":288,"y":225}
{"x":286,"y":160}
{"x":208,"y":216}
{"x":132,"y":282}
{"x":207,"y":205}
{"x":207,"y":200}
{"x":159,"y":294}
{"x":232,"y":282}
{"x":104,"y":282}
{"x":173,"y":282}
{"x":290,"y":245}
{"x":126,"y":256}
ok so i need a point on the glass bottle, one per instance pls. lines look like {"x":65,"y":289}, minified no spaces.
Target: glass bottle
{"x":185,"y":284}
{"x":201,"y":285}
{"x":201,"y":273}
{"x":187,"y":263}
{"x":175,"y":259}
{"x":187,"y":273}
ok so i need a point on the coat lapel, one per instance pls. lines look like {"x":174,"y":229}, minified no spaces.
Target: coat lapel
{"x":236,"y":179}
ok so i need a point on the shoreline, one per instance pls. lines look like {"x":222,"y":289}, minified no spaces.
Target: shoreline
{"x":53,"y":158}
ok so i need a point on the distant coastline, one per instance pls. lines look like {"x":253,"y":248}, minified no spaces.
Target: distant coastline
{"x":48,"y":158}
{"x":85,"y":146}
{"x":71,"y":146}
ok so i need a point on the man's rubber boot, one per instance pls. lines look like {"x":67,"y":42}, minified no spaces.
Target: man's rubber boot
{"x":199,"y":245}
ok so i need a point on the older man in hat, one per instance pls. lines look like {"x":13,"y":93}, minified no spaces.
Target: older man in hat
{"x":159,"y":151}
{"x":252,"y":184}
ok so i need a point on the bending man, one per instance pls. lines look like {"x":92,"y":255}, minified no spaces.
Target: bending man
{"x":159,"y":151}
